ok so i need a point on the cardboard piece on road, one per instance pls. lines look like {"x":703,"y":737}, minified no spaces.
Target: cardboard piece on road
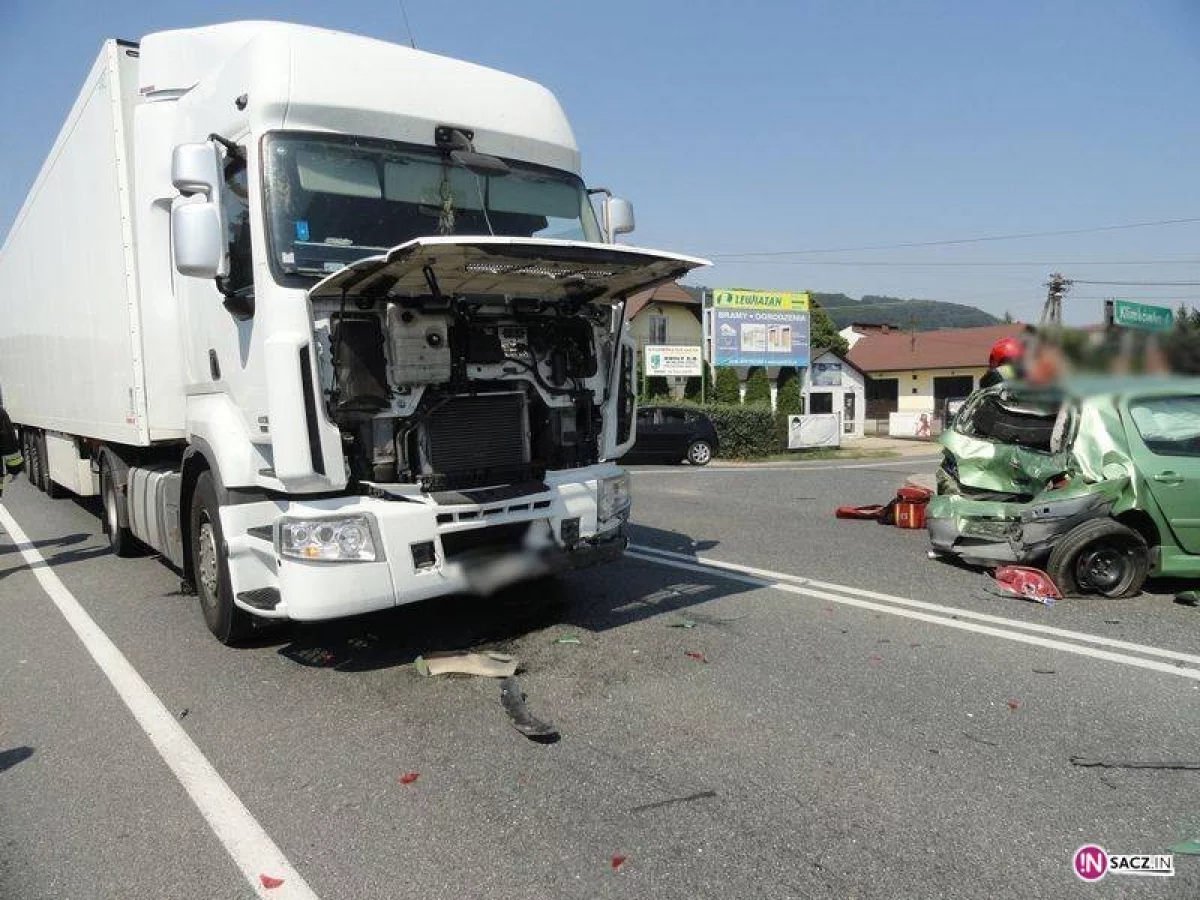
{"x":486,"y":664}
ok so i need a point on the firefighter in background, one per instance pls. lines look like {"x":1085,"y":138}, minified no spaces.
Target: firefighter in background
{"x":10,"y":448}
{"x":1004,"y":362}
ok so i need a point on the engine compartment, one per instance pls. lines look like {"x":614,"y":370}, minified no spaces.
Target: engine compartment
{"x":451,"y":393}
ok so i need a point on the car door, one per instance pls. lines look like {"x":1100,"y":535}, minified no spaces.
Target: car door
{"x":1164,"y":439}
{"x":649,"y":437}
{"x":676,"y":432}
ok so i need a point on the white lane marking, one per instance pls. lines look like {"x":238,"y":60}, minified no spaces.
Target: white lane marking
{"x":917,"y":461}
{"x":250,"y":847}
{"x":1099,"y":640}
{"x":1017,"y":636}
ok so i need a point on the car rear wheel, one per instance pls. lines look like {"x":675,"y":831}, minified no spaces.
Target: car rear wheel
{"x":1100,"y":557}
{"x":699,"y":453}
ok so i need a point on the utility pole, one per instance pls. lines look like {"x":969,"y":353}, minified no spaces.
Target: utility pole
{"x":1056,"y":289}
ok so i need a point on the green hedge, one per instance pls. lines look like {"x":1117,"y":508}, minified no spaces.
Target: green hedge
{"x":743,"y":432}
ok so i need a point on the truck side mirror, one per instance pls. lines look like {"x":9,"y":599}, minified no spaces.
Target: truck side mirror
{"x":196,"y":169}
{"x":197,"y":240}
{"x":618,"y":217}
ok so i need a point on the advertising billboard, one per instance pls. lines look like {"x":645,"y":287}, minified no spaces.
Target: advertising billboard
{"x":670,"y":360}
{"x":760,"y":328}
{"x":827,"y":374}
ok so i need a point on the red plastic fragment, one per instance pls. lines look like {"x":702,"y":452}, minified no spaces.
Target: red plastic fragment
{"x":1012,"y":705}
{"x":269,"y":882}
{"x":409,"y":777}
{"x":876,"y":658}
{"x":617,"y":862}
{"x":696,"y":655}
{"x":1032,"y":584}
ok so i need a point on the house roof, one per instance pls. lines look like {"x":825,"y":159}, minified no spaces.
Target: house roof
{"x":664,"y":293}
{"x":951,"y":348}
{"x":818,"y":352}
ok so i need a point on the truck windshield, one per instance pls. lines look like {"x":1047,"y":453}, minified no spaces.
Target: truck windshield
{"x":331,"y":200}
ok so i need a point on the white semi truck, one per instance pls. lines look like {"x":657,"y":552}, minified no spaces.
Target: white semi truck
{"x":329,"y":323}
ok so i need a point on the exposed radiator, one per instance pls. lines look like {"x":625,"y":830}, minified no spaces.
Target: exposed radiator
{"x":476,"y":439}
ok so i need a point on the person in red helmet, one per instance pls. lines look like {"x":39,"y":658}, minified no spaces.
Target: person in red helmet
{"x":1004,"y":362}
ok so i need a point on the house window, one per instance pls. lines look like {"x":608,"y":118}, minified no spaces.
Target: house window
{"x":658,"y":329}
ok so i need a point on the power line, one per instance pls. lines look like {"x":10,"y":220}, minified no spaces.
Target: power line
{"x":412,"y":41}
{"x":1142,"y":283}
{"x":970,"y":240}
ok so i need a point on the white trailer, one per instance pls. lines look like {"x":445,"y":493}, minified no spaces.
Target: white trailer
{"x":328,"y":322}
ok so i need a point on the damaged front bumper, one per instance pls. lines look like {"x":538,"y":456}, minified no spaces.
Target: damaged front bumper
{"x":988,"y":532}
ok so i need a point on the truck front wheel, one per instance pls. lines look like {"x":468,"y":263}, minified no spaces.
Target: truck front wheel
{"x":228,"y":623}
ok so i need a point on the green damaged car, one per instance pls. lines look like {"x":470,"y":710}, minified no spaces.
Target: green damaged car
{"x":1097,"y":481}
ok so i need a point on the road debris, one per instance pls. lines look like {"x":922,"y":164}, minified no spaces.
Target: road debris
{"x":618,"y":862}
{"x":486,"y":664}
{"x":1187,"y":848}
{"x":696,"y":655}
{"x":270,"y":882}
{"x":409,"y":777}
{"x":568,"y":639}
{"x":682,"y":623}
{"x":1040,"y":671}
{"x":699,"y":795}
{"x":1012,"y":705}
{"x":1026,"y":583}
{"x":512,"y":698}
{"x":1188,"y":598}
{"x":1093,"y":763}
{"x":979,"y":740}
{"x":183,"y":713}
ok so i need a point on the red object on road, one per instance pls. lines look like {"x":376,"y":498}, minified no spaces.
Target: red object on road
{"x":617,"y":862}
{"x":696,"y":655}
{"x":269,"y":882}
{"x":910,"y":515}
{"x":409,"y":777}
{"x":1032,"y":584}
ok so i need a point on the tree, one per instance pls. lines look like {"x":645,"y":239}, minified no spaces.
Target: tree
{"x":758,"y":388}
{"x":823,"y":333}
{"x":727,"y":385}
{"x":788,"y":401}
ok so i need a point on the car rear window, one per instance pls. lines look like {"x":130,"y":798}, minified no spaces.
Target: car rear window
{"x":1169,"y":426}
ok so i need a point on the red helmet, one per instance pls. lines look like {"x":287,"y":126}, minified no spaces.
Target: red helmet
{"x":1008,"y":349}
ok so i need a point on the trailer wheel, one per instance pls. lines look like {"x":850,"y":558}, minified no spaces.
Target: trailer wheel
{"x":45,"y":483}
{"x":227,"y":622}
{"x":1101,"y":556}
{"x":120,"y":538}
{"x":32,"y":463}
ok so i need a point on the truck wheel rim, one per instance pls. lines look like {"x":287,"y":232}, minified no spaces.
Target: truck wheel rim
{"x":701,"y":453}
{"x":208,"y":562}
{"x":110,"y":506}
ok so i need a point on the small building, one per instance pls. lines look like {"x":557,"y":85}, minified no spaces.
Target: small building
{"x":919,"y":372}
{"x":665,"y":315}
{"x":833,"y":384}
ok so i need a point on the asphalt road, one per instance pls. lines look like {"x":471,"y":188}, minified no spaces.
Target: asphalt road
{"x":816,"y":732}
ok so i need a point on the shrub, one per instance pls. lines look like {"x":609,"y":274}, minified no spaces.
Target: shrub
{"x":758,"y":389}
{"x":789,"y":401}
{"x":698,"y":386}
{"x":726,"y":390}
{"x":742,"y":431}
{"x":657,"y":387}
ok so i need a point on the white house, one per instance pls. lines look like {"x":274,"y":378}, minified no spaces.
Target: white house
{"x":833,"y":384}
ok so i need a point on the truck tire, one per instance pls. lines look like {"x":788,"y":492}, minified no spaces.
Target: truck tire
{"x":32,"y":463}
{"x":48,"y":486}
{"x":210,"y":568}
{"x":1101,"y":556}
{"x":120,"y":538}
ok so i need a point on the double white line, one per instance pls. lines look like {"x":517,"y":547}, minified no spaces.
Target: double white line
{"x":1142,"y":656}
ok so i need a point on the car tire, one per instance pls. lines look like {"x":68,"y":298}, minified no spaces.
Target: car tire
{"x":228,"y":623}
{"x":1100,"y":556}
{"x":120,"y":539}
{"x":699,"y":453}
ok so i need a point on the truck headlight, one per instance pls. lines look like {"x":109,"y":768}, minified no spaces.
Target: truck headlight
{"x":335,"y":539}
{"x":614,"y":497}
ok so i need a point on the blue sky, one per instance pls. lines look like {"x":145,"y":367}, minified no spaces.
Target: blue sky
{"x":800,"y":125}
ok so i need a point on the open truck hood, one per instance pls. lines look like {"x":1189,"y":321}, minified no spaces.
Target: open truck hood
{"x":515,"y":267}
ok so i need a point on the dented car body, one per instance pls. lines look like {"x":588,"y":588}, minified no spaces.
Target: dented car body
{"x":1098,"y":480}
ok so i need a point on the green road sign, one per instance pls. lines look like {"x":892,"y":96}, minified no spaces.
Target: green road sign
{"x":1141,"y":315}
